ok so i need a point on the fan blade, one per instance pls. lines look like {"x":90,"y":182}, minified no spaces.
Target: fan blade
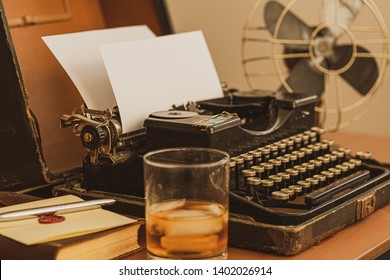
{"x":291,"y":26}
{"x":306,"y":78}
{"x":345,"y":11}
{"x":363,"y":73}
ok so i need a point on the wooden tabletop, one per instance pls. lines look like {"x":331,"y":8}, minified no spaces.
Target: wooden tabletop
{"x":366,"y":239}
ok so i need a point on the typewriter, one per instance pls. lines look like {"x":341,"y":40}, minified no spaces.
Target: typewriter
{"x":283,"y":173}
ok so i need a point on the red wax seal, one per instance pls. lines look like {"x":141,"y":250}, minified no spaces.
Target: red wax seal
{"x":50,"y":219}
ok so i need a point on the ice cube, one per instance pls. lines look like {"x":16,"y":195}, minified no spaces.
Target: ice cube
{"x":166,"y":206}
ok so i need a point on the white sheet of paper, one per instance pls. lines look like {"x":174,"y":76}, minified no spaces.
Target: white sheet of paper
{"x":80,"y":56}
{"x":154,"y":74}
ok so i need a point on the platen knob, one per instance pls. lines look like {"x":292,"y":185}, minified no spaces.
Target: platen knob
{"x":92,"y":137}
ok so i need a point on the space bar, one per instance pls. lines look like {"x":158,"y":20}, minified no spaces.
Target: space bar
{"x":330,"y":190}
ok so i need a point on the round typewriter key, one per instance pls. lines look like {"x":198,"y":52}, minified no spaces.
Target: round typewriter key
{"x":50,"y":219}
{"x":314,"y":183}
{"x":325,"y":162}
{"x":232,"y":174}
{"x":312,"y":135}
{"x":302,"y":171}
{"x":330,"y":142}
{"x":259,"y":171}
{"x":310,"y":168}
{"x":308,"y":153}
{"x":248,"y":160}
{"x":336,"y":172}
{"x":340,"y":156}
{"x":329,"y":176}
{"x":274,"y":151}
{"x":282,"y":148}
{"x":343,"y":169}
{"x":324,"y":148}
{"x":280,"y":197}
{"x":277,"y":181}
{"x":300,"y":156}
{"x":294,"y":173}
{"x":293,"y":160}
{"x":265,"y":154}
{"x":317,"y":165}
{"x":305,"y":140}
{"x":297,"y":189}
{"x":256,"y":157}
{"x":267,"y":187}
{"x":319,"y":131}
{"x":290,"y":193}
{"x":316,"y":150}
{"x":347,"y":151}
{"x":306,"y":186}
{"x":268,"y":167}
{"x":285,"y":178}
{"x":239,"y":167}
{"x":297,"y":142}
{"x":332,"y":159}
{"x":358,"y":163}
{"x":277,"y":165}
{"x":253,"y":184}
{"x":321,"y":180}
{"x":363,"y":155}
{"x":351,"y":166}
{"x":284,"y":160}
{"x":289,"y":145}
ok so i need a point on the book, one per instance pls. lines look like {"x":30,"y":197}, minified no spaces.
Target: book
{"x":92,"y":234}
{"x":104,"y":245}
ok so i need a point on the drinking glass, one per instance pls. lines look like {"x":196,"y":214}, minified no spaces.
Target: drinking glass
{"x":187,"y":196}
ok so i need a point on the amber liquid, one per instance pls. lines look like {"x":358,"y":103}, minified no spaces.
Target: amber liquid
{"x":183,"y":229}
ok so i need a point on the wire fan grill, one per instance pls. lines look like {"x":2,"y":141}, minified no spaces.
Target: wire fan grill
{"x":337,"y":49}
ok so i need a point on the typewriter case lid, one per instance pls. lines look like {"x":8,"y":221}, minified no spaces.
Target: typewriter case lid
{"x":22,"y":164}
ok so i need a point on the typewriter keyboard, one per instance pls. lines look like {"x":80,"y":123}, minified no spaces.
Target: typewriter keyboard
{"x":297,"y":176}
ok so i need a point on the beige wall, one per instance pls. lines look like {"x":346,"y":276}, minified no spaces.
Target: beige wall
{"x":222,"y":22}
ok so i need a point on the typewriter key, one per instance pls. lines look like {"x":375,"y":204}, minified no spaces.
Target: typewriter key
{"x":293,"y":160}
{"x":285,"y":178}
{"x":277,"y":165}
{"x":294,"y":173}
{"x":324,"y":148}
{"x":282,"y":148}
{"x":332,"y":159}
{"x":232,"y":174}
{"x":312,"y":135}
{"x":239,"y":167}
{"x":336,"y":172}
{"x":267,"y":186}
{"x":340,"y":156}
{"x":343,"y":169}
{"x":277,"y":181}
{"x":325,"y":162}
{"x":319,"y":131}
{"x":259,"y":171}
{"x":310,"y":168}
{"x":306,"y":186}
{"x":280,"y":197}
{"x":330,"y":142}
{"x":302,"y":171}
{"x":351,"y":166}
{"x":363,"y":155}
{"x":317,"y":165}
{"x":300,"y":156}
{"x":358,"y":163}
{"x":316,"y":150}
{"x":268,"y":167}
{"x":314,"y":183}
{"x":321,"y":180}
{"x":253,"y":187}
{"x":256,"y":156}
{"x":289,"y":145}
{"x":346,"y":151}
{"x":284,"y":161}
{"x":274,"y":151}
{"x":297,"y":190}
{"x":265,"y":154}
{"x":328,"y":175}
{"x":305,"y":140}
{"x":292,"y":195}
{"x":308,"y":153}
{"x":248,"y":160}
{"x":297,"y":142}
